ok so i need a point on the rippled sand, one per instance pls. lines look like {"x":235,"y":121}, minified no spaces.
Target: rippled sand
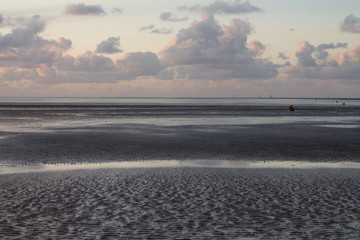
{"x":181,"y":203}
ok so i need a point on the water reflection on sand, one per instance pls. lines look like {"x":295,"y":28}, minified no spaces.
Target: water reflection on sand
{"x":176,"y":164}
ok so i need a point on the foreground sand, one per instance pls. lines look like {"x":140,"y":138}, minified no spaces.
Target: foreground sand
{"x":181,"y":203}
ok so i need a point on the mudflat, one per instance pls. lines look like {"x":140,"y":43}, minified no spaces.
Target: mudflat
{"x":182,"y":203}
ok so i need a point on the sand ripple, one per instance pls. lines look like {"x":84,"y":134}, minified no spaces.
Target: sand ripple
{"x":181,"y":203}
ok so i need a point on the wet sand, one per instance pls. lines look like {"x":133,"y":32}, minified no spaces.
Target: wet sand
{"x":181,"y":203}
{"x":126,"y":142}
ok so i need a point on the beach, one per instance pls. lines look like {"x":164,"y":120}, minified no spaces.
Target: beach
{"x":214,"y":200}
{"x":182,"y":203}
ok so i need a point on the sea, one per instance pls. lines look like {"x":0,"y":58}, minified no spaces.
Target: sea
{"x":22,"y":113}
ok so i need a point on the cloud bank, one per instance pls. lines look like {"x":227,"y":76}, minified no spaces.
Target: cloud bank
{"x":25,"y":55}
{"x":205,"y":52}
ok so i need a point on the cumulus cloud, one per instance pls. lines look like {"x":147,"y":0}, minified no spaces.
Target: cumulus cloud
{"x":86,"y":62}
{"x":1,"y":19}
{"x":109,"y":46}
{"x":26,"y":56}
{"x":139,"y":64}
{"x":147,"y":27}
{"x":351,"y":24}
{"x":309,"y":55}
{"x":315,"y":62}
{"x":23,"y":37}
{"x":207,"y":50}
{"x":223,"y":7}
{"x":24,"y":47}
{"x":322,"y":54}
{"x":162,"y":31}
{"x":168,"y":16}
{"x":83,"y":9}
{"x":304,"y":54}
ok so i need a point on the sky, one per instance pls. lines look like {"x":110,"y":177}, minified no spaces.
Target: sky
{"x":197,"y":48}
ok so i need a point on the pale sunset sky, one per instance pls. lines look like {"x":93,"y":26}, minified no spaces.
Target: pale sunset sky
{"x":197,"y":48}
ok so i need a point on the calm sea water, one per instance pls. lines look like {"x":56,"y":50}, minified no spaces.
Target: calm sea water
{"x":183,"y":101}
{"x":32,"y":114}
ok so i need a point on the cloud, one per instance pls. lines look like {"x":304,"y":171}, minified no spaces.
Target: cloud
{"x":282,"y":56}
{"x":86,"y":62}
{"x":25,"y":56}
{"x":222,"y":7}
{"x":207,"y":50}
{"x":23,"y":37}
{"x":136,"y":64}
{"x":23,"y":47}
{"x":322,"y":54}
{"x":109,"y":46}
{"x":168,"y":16}
{"x":83,"y":9}
{"x":147,"y":27}
{"x":257,"y":47}
{"x":89,"y":67}
{"x":117,"y":10}
{"x":1,"y":19}
{"x":313,"y":63}
{"x":325,"y":46}
{"x":351,"y":24}
{"x":304,"y":54}
{"x":309,"y":55}
{"x":162,"y":31}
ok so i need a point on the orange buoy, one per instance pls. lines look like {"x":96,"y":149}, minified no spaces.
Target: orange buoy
{"x":291,"y":108}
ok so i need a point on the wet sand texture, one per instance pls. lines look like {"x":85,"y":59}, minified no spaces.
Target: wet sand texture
{"x":146,"y":142}
{"x":181,"y":203}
